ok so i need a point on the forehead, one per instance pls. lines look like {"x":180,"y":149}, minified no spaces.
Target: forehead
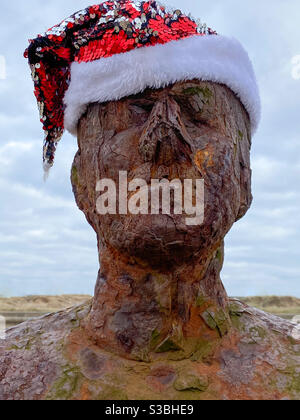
{"x":201,"y":105}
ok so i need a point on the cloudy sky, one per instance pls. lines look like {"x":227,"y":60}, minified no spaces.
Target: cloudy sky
{"x":46,"y":246}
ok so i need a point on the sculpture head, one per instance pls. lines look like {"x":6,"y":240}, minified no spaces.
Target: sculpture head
{"x":176,"y":126}
{"x":189,"y":130}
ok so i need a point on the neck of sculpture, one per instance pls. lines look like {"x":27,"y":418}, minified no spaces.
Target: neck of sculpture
{"x":143,"y":313}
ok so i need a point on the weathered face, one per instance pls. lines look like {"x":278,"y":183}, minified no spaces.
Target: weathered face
{"x":191,"y":130}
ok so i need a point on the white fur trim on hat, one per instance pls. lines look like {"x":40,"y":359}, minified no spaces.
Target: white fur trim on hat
{"x":212,"y":58}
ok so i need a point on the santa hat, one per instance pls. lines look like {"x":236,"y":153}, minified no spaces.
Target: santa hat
{"x":100,"y":54}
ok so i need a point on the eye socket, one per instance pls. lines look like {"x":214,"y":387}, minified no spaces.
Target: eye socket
{"x":139,"y":110}
{"x":143,"y":105}
{"x":195,"y":109}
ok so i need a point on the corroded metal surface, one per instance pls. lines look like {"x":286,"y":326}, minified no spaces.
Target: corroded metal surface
{"x":53,"y":358}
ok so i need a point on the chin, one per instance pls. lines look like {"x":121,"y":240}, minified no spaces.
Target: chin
{"x":158,"y":240}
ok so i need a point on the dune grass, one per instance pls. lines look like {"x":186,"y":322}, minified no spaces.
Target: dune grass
{"x":277,"y":305}
{"x":41,"y":304}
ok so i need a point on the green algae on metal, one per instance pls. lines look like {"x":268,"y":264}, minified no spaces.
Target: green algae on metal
{"x":67,"y":386}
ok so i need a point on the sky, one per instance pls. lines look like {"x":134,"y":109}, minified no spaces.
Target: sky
{"x":46,"y":245}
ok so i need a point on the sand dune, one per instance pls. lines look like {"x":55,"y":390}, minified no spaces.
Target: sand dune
{"x":275,"y":304}
{"x":272,"y":304}
{"x":40,"y":303}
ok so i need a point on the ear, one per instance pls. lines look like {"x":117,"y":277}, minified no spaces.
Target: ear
{"x":246,"y":195}
{"x":243,"y":161}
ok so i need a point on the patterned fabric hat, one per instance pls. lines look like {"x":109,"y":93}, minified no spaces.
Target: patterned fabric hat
{"x":101,"y":54}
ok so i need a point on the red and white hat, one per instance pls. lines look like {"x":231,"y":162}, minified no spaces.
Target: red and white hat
{"x":100,"y":54}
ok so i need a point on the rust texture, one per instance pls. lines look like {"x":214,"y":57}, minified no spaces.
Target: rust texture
{"x":161,"y":325}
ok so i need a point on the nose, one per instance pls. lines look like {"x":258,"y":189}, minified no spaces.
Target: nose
{"x":165,"y":137}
